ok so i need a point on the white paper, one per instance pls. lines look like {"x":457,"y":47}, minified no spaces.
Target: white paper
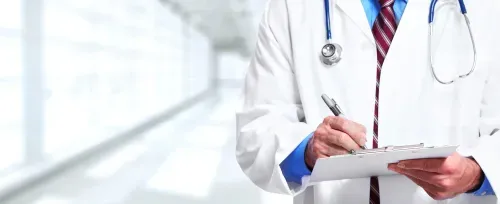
{"x":368,"y":165}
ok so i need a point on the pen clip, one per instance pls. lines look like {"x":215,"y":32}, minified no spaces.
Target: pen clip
{"x":338,"y":107}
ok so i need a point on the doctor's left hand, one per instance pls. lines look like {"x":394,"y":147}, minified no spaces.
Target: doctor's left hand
{"x":442,"y":178}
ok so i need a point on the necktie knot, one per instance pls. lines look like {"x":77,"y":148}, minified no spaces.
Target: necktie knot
{"x":386,"y":3}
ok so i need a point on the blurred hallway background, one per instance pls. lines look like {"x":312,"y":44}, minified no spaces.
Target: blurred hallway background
{"x":124,"y":101}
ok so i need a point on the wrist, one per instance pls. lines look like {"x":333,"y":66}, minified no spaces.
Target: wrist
{"x":308,"y":157}
{"x":477,"y":175}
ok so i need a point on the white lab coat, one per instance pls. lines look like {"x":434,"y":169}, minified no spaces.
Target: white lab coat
{"x":286,"y":79}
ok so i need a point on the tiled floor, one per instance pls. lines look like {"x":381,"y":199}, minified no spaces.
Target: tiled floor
{"x":189,"y":159}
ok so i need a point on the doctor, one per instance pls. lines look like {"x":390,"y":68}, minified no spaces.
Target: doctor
{"x":389,"y":92}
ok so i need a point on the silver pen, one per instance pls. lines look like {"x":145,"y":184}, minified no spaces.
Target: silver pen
{"x":335,"y":108}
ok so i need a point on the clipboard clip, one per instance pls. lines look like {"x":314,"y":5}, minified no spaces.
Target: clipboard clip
{"x":386,"y":149}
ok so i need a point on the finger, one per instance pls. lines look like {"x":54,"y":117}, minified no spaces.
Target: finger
{"x":429,"y":188}
{"x":424,"y":184}
{"x":429,"y":177}
{"x":356,"y":131}
{"x":337,"y":150}
{"x":341,"y":139}
{"x":322,"y":155}
{"x":360,"y":127}
{"x":440,"y":195}
{"x":441,"y":181}
{"x":332,"y":150}
{"x":393,"y":167}
{"x":429,"y":165}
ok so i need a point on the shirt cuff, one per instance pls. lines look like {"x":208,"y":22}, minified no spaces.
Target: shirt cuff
{"x":294,"y":166}
{"x":485,"y":189}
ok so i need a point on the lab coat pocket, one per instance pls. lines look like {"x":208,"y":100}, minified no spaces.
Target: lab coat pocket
{"x":455,"y":110}
{"x":454,"y":56}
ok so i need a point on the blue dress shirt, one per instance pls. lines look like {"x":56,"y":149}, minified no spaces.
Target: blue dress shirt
{"x":294,"y":166}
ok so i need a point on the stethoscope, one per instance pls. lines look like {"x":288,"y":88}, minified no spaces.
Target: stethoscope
{"x":331,"y":53}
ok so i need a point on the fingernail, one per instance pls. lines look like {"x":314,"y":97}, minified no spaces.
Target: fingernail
{"x":401,"y":165}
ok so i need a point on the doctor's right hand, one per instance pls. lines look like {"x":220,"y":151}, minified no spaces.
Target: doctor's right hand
{"x":335,"y":136}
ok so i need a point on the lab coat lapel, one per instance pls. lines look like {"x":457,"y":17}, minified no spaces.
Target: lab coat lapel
{"x":405,"y":86}
{"x":405,"y":75}
{"x":354,"y":10}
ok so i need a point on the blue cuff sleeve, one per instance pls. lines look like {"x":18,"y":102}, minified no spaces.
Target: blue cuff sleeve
{"x":294,"y":166}
{"x":485,"y":189}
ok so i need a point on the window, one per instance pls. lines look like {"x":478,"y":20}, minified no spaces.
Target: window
{"x":111,"y":65}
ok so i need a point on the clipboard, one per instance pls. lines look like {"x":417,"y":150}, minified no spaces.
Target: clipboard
{"x":372,"y":162}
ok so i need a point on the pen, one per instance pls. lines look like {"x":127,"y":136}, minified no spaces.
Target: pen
{"x":494,"y":131}
{"x":335,"y":108}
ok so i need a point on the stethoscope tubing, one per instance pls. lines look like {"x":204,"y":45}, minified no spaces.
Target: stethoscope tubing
{"x":432,"y":8}
{"x":327,"y":21}
{"x":463,"y":10}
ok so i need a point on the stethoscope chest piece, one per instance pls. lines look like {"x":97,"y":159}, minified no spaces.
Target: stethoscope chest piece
{"x":331,"y":54}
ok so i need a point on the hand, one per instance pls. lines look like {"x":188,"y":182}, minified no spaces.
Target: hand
{"x":335,"y":136}
{"x":441,"y":178}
